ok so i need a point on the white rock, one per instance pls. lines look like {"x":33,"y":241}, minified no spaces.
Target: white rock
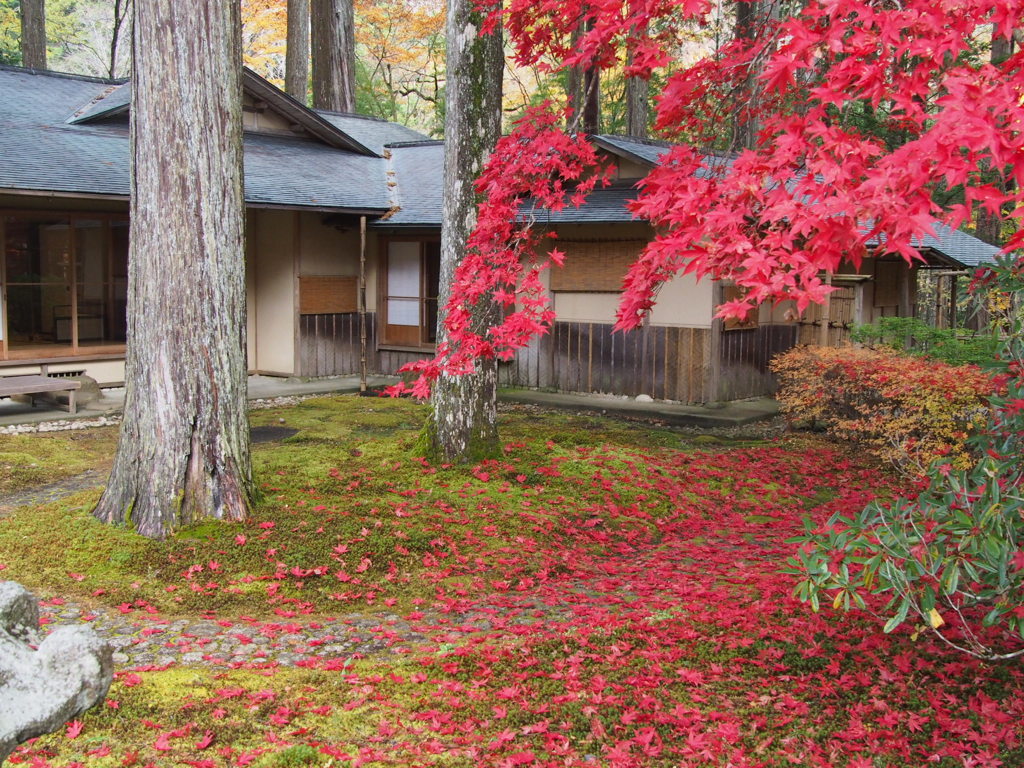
{"x":43,"y":688}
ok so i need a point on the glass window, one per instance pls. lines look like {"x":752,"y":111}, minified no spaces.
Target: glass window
{"x":65,"y":281}
{"x":410,"y":292}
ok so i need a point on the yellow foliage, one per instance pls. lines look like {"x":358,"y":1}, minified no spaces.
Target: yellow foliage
{"x":906,"y":410}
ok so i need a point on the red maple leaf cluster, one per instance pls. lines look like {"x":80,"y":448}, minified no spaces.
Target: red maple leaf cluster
{"x":816,"y":189}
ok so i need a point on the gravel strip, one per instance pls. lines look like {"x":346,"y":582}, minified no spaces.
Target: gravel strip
{"x":114,"y":419}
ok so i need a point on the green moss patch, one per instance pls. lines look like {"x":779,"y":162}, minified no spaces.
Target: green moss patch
{"x":32,"y":460}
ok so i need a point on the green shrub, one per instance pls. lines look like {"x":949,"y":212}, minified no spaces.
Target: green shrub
{"x":906,"y":410}
{"x":915,"y":337}
{"x":951,"y":558}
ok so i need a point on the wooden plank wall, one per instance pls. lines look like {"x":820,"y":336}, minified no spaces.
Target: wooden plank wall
{"x":329,"y":346}
{"x":838,"y":313}
{"x":745,"y":355}
{"x":665,"y":363}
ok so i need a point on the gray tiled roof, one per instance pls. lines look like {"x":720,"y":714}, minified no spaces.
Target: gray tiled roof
{"x":417,"y":170}
{"x":284,"y":171}
{"x":41,"y":150}
{"x":603,"y":206}
{"x":645,"y":150}
{"x":962,"y":248}
{"x":371,"y":132}
{"x":46,"y":146}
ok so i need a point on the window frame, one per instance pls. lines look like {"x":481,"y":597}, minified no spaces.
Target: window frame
{"x":390,"y":337}
{"x":56,"y":351}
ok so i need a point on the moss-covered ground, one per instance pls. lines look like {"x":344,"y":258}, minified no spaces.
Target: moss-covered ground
{"x":605,"y":593}
{"x":32,"y":460}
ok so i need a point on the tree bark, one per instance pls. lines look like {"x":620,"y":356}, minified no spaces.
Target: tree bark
{"x":583,"y":93}
{"x":592,"y":100}
{"x":334,"y":55}
{"x":745,"y":122}
{"x":464,"y":420}
{"x":989,"y":225}
{"x":33,"y":34}
{"x":637,"y":106}
{"x":589,"y":106}
{"x":121,"y":10}
{"x":183,"y":453}
{"x":574,"y":88}
{"x":296,"y":57}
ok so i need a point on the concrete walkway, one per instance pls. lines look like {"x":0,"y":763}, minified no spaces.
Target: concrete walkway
{"x":112,"y":401}
{"x":732,"y":414}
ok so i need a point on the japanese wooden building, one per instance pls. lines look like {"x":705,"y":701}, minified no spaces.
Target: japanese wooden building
{"x":336,"y":199}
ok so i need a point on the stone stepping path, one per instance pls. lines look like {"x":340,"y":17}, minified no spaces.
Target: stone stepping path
{"x":47,"y":494}
{"x":145,"y":640}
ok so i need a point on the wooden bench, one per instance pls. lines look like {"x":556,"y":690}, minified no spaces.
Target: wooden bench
{"x":39,"y":385}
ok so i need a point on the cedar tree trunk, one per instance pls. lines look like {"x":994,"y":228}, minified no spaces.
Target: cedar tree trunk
{"x":637,"y":105}
{"x":464,"y":426}
{"x":296,"y":57}
{"x":592,"y":100}
{"x":183,"y":454}
{"x":990,"y":224}
{"x":574,"y":88}
{"x":33,"y":34}
{"x":745,"y":124}
{"x":334,"y":55}
{"x":583,"y":92}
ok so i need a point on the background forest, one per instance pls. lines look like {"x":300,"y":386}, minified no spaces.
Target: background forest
{"x":400,"y":56}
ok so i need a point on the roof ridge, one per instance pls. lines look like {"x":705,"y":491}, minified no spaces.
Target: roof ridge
{"x":63,"y":75}
{"x":419,"y":143}
{"x":636,"y":139}
{"x":369,"y":118}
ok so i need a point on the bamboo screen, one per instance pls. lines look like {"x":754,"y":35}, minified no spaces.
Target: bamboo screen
{"x":327,"y":295}
{"x":594,"y":266}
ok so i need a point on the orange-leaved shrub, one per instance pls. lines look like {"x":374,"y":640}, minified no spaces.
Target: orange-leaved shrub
{"x":907,"y":410}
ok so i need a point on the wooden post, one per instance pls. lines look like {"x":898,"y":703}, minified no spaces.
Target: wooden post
{"x":905,"y":308}
{"x":362,"y":303}
{"x":825,"y":316}
{"x":714,"y":369}
{"x":953,"y":286}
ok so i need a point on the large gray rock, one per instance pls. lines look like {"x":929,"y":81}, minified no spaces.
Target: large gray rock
{"x":45,"y":684}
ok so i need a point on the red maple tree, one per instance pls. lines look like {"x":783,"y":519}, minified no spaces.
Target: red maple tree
{"x":817,"y":188}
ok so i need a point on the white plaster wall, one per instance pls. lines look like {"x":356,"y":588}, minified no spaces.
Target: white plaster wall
{"x":274,"y":292}
{"x":685,"y":301}
{"x":250,"y":289}
{"x":325,"y":250}
{"x":585,"y":307}
{"x":262,"y":120}
{"x":680,"y":302}
{"x":627,"y":169}
{"x":106,"y":372}
{"x":373,"y":250}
